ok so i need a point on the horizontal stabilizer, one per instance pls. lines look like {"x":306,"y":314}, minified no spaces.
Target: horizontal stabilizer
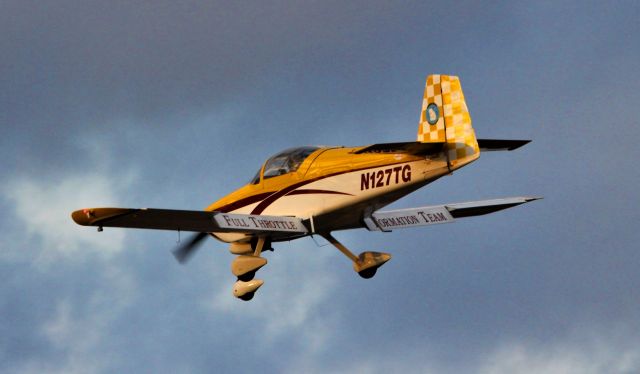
{"x":413,"y":148}
{"x":187,"y":220}
{"x":487,"y":145}
{"x":421,"y":149}
{"x":430,"y":215}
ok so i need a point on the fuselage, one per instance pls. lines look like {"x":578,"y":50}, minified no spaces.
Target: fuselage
{"x":336,"y":188}
{"x":332,"y":187}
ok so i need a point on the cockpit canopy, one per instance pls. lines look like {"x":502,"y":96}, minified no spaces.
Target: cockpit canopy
{"x":285,"y":162}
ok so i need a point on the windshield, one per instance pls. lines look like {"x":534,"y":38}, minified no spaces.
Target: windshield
{"x":287,"y":161}
{"x":256,"y":178}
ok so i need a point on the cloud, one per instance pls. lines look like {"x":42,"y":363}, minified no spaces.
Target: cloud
{"x":585,"y":352}
{"x":600,"y":353}
{"x":81,"y":331}
{"x":43,"y":208}
{"x":297,"y":282}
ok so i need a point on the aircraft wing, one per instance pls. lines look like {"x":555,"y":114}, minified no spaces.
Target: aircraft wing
{"x":187,"y":220}
{"x":447,"y":213}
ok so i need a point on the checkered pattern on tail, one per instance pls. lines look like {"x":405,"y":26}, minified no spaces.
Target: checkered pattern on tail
{"x":451,"y":123}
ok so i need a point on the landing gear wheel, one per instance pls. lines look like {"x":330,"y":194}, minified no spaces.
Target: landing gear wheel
{"x":247,"y":277}
{"x":247,"y":297}
{"x":368,"y":273}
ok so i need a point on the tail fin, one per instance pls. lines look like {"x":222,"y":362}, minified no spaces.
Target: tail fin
{"x":445,"y":119}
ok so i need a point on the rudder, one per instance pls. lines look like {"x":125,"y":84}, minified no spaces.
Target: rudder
{"x":445,"y":119}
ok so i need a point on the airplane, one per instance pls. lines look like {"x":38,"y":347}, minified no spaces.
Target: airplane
{"x":315,"y":190}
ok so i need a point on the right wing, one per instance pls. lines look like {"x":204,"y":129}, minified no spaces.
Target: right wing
{"x":431,"y":215}
{"x":187,"y":220}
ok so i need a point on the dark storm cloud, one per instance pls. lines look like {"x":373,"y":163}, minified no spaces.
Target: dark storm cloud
{"x":151,"y":59}
{"x":74,"y":67}
{"x":77,"y":66}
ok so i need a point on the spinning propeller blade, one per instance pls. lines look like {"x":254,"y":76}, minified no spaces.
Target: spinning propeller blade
{"x":187,"y":249}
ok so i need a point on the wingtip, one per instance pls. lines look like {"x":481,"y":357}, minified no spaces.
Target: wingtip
{"x":533,"y":198}
{"x":90,"y":216}
{"x":82,"y":217}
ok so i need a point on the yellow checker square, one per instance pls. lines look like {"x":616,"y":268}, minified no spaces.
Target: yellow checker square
{"x":445,"y":118}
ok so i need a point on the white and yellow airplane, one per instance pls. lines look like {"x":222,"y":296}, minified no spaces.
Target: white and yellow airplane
{"x":318,"y":190}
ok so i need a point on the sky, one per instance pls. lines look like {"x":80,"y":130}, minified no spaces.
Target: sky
{"x":175,"y":104}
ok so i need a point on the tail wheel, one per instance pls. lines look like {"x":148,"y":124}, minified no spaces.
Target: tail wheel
{"x":368,"y":273}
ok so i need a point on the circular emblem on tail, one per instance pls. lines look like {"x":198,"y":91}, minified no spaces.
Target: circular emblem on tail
{"x":432,"y":114}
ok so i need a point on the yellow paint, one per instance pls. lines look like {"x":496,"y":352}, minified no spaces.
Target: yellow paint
{"x":454,"y":122}
{"x":322,"y":163}
{"x":452,"y":127}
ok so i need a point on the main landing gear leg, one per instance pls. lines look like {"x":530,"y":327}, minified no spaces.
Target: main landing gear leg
{"x":244,"y":267}
{"x":366,"y":264}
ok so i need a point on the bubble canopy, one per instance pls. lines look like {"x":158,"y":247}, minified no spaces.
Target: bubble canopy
{"x":285,"y":162}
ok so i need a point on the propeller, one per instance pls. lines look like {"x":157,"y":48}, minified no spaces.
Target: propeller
{"x":188,"y":248}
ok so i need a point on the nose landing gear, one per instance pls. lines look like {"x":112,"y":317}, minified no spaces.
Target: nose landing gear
{"x":245,"y":267}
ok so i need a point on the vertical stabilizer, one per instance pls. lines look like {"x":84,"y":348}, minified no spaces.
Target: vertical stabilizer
{"x":445,"y":119}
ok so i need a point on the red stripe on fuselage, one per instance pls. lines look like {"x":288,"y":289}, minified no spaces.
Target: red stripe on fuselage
{"x":317,"y":192}
{"x":244,"y":202}
{"x":285,"y":191}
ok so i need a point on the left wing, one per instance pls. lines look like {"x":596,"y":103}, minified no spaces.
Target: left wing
{"x":187,"y":220}
{"x":431,"y":215}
